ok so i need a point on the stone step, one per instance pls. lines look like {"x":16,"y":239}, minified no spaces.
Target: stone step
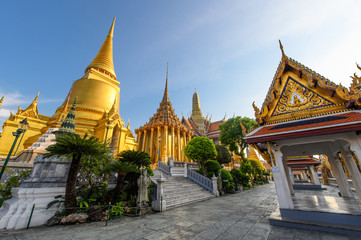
{"x":188,"y":197}
{"x":179,"y":203}
{"x":179,"y":190}
{"x":184,"y":190}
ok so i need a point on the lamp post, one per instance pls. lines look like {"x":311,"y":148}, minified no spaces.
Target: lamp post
{"x":23,"y":125}
{"x":22,"y":135}
{"x":106,"y":133}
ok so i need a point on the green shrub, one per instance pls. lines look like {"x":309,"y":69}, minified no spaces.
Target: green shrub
{"x":212,"y":166}
{"x":240,"y":177}
{"x":223,"y":154}
{"x":12,"y":182}
{"x":117,"y":209}
{"x":227,"y":179}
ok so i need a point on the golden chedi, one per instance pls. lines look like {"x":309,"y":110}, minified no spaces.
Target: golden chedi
{"x":164,"y":133}
{"x":97,"y":105}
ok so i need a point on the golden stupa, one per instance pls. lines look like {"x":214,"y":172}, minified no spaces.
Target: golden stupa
{"x":97,"y":108}
{"x":164,"y":133}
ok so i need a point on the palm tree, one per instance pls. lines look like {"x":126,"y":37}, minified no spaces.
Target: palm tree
{"x":122,"y":168}
{"x":73,"y":146}
{"x":141,"y":159}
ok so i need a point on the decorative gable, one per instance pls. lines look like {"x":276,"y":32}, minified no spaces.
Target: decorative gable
{"x":297,"y":97}
{"x":298,"y":92}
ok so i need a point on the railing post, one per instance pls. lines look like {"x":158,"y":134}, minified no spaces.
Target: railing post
{"x":215,"y":187}
{"x":160,"y":204}
{"x":185,"y":170}
{"x":171,"y":165}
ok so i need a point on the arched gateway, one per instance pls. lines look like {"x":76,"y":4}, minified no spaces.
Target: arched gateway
{"x":306,"y":114}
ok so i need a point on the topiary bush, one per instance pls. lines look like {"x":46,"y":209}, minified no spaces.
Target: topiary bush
{"x":223,"y":154}
{"x":228,"y":182}
{"x":240,"y":177}
{"x":212,"y":167}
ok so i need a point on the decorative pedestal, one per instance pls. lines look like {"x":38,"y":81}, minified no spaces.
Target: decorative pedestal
{"x":47,"y":180}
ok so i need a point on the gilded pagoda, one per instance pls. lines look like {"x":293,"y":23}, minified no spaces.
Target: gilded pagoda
{"x":164,"y":135}
{"x":97,"y":108}
{"x":200,"y":125}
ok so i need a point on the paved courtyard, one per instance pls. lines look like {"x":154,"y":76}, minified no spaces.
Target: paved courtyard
{"x":239,"y":216}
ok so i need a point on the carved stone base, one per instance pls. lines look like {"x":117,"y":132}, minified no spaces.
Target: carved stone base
{"x":15,"y":212}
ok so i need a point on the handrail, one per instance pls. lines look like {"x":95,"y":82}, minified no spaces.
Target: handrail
{"x":164,"y":167}
{"x":200,"y":179}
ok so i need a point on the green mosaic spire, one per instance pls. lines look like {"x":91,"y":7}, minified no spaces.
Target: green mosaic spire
{"x":68,"y":124}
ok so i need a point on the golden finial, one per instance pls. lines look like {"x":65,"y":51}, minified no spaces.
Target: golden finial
{"x":166,"y":95}
{"x":104,"y":59}
{"x":128,"y":125}
{"x":256,"y":109}
{"x":281,"y":47}
{"x":244,"y":130}
{"x":1,"y":101}
{"x":358,"y":67}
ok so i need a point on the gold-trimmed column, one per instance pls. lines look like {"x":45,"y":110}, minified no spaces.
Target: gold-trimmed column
{"x":173,"y":143}
{"x":158,"y":144}
{"x":179,"y":145}
{"x":184,"y":146}
{"x":151,"y":143}
{"x":144,"y":136}
{"x":166,"y":143}
{"x":140,"y":141}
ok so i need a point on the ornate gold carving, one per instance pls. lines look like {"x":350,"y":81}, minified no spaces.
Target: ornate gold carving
{"x":256,"y":110}
{"x":296,"y":98}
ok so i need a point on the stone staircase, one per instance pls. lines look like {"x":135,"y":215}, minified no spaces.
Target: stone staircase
{"x":179,"y":190}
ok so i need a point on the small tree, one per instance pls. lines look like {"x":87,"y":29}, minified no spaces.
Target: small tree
{"x":231,"y":133}
{"x":75,"y":147}
{"x":223,"y":154}
{"x":121,"y":168}
{"x":140,"y":159}
{"x":200,"y":149}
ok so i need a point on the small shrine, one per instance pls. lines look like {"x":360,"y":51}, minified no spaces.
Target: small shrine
{"x":306,"y":114}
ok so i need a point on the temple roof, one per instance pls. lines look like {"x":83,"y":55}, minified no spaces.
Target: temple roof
{"x":165,"y":115}
{"x":214,"y":126}
{"x":321,"y":125}
{"x":298,"y":92}
{"x":104,"y":59}
{"x":31,"y":110}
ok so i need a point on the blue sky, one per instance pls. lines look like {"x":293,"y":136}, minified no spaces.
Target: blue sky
{"x":227,"y":50}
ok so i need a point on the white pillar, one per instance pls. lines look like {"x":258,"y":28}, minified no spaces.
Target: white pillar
{"x":311,"y":176}
{"x":314,"y":175}
{"x":287,"y":174}
{"x":280,"y":178}
{"x":340,"y":175}
{"x":353,"y":170}
{"x":291,"y":175}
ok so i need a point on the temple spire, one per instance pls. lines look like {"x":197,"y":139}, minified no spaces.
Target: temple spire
{"x":196,"y":107}
{"x":104,"y":59}
{"x":1,"y":101}
{"x":166,"y":95}
{"x":68,"y":125}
